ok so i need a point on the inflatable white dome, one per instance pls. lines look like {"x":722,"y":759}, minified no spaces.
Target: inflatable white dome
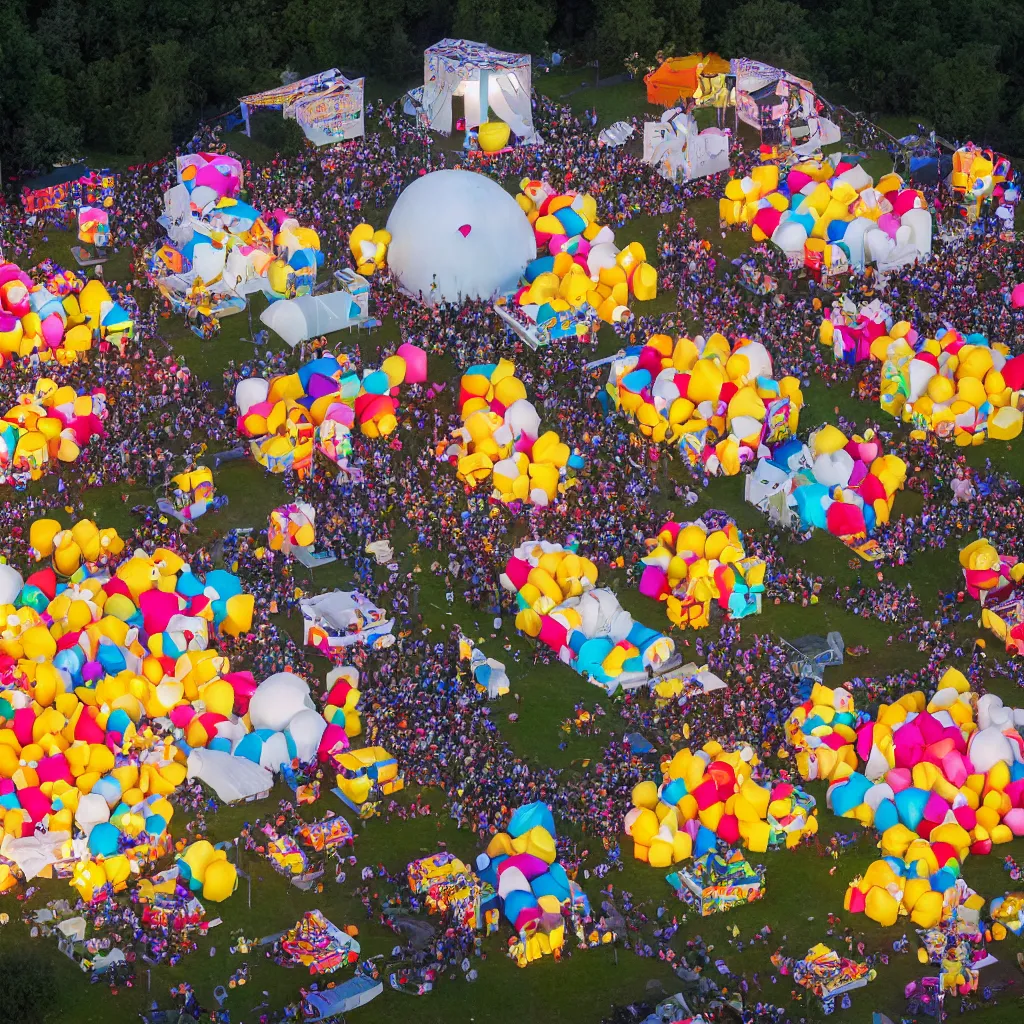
{"x":458,"y":233}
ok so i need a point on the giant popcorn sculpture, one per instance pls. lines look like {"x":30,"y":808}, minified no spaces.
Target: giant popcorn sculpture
{"x":707,"y":795}
{"x":939,"y":781}
{"x":582,"y":265}
{"x":285,"y":416}
{"x":952,"y":386}
{"x":827,"y":217}
{"x":689,"y":565}
{"x":717,"y":401}
{"x":501,"y":440}
{"x":843,"y":485}
{"x":587,"y":627}
{"x":531,"y":885}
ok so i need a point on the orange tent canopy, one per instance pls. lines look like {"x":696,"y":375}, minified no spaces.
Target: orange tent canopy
{"x":676,"y":79}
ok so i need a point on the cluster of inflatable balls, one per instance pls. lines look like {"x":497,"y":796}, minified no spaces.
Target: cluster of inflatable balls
{"x":341,"y":704}
{"x":49,"y":423}
{"x":206,"y":869}
{"x":707,"y":795}
{"x":852,"y":332}
{"x":281,"y":415}
{"x":500,"y":439}
{"x":843,"y":485}
{"x":586,"y":627}
{"x":822,"y":732}
{"x":689,"y":565}
{"x":953,"y":386}
{"x":989,"y":575}
{"x":581,"y":265}
{"x":369,"y":248}
{"x":292,"y":526}
{"x":829,"y":214}
{"x":38,"y":320}
{"x":84,"y":543}
{"x":996,"y":581}
{"x":936,"y":774}
{"x":522,"y":867}
{"x":717,"y":401}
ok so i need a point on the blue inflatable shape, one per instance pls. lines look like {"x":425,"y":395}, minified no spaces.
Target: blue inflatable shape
{"x":226,"y":584}
{"x":1016,"y":771}
{"x":10,"y":801}
{"x":220,"y":743}
{"x":518,"y":901}
{"x":634,"y":664}
{"x":103,"y":840}
{"x":118,"y":721}
{"x":808,"y":505}
{"x":156,"y":824}
{"x":705,"y":842}
{"x":976,"y":339}
{"x":109,"y":788}
{"x":836,"y":230}
{"x":530,"y":816}
{"x":576,"y":461}
{"x":32,"y":597}
{"x":942,"y":880}
{"x":541,"y":265}
{"x":910,"y":803}
{"x":674,"y":791}
{"x":636,"y":380}
{"x":886,"y":816}
{"x":250,"y":747}
{"x":189,"y":585}
{"x":849,"y":794}
{"x":552,"y":883}
{"x":485,"y":369}
{"x":112,"y":659}
{"x":570,"y":220}
{"x":591,"y":654}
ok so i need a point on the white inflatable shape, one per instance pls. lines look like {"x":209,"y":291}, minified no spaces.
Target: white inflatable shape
{"x":92,"y":810}
{"x":834,"y":470}
{"x":512,"y":880}
{"x":277,"y":700}
{"x":458,"y":235}
{"x":987,"y":747}
{"x":275,"y":752}
{"x":522,"y":418}
{"x":790,"y":236}
{"x":306,"y":729}
{"x":11,"y":583}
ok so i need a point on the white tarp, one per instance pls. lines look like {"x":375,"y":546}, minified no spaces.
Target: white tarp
{"x":34,"y":854}
{"x":298,"y":320}
{"x":678,"y":151}
{"x":231,"y":778}
{"x":463,"y":68}
{"x":341,"y":618}
{"x":616,"y":134}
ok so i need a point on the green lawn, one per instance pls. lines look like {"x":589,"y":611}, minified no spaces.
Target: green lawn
{"x":800,"y":889}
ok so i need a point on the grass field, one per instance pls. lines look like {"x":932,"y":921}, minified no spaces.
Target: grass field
{"x":800,"y":889}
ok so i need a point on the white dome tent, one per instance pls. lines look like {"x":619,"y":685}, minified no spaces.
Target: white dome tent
{"x":458,"y":235}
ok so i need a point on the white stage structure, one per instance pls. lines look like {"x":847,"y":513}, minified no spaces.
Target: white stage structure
{"x":483,"y":77}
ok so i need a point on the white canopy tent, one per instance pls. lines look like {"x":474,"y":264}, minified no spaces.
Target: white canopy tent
{"x":484,"y":78}
{"x":298,"y":320}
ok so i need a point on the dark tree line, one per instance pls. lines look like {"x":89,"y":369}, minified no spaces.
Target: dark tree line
{"x":131,"y":76}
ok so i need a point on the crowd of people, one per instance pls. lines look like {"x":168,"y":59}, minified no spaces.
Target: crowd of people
{"x":419,"y":698}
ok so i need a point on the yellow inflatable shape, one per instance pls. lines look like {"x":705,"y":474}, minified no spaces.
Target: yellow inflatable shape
{"x":220,"y":881}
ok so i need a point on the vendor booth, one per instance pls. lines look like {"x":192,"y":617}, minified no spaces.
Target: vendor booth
{"x":484,"y":78}
{"x":328,"y":107}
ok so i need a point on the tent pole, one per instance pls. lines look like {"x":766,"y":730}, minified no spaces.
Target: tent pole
{"x":484,"y":81}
